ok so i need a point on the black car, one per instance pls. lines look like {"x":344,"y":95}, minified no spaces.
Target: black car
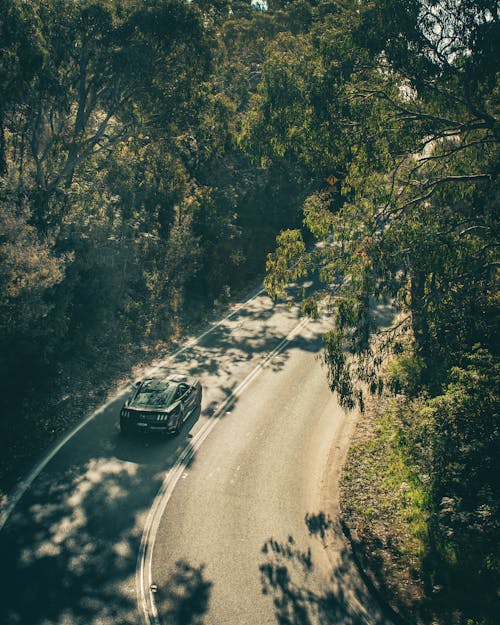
{"x":161,"y":404}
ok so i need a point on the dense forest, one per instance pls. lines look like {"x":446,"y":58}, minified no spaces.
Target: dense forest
{"x":152,"y":150}
{"x":128,"y":206}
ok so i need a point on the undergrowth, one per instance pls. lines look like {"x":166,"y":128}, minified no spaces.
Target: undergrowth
{"x":409,"y":542}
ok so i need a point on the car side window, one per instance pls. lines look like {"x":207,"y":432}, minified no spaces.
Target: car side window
{"x":181,"y":390}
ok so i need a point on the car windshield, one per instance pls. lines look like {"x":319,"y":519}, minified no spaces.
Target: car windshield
{"x":155,"y":393}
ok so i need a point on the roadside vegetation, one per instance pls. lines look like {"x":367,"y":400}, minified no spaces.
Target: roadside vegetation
{"x":417,"y":492}
{"x":151,"y":151}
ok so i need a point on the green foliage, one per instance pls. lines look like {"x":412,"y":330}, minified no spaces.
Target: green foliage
{"x":339,"y":368}
{"x":287,"y":264}
{"x":416,"y":155}
{"x":430,"y":473}
{"x":451,"y":441}
{"x":28,"y":271}
{"x":309,"y":307}
{"x":318,"y":217}
{"x":460,"y":441}
{"x":405,"y":373}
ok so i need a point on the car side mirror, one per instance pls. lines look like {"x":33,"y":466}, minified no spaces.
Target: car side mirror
{"x":137,"y":383}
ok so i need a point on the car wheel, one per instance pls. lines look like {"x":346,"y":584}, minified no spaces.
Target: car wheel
{"x":125,"y":428}
{"x":178,"y":424}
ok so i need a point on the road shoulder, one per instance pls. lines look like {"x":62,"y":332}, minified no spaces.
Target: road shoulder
{"x":374,"y":524}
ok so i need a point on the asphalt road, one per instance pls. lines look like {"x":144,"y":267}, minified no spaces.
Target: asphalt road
{"x":245,"y":531}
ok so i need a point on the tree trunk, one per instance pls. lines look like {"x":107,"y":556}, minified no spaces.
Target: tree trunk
{"x":3,"y":155}
{"x":419,"y":315}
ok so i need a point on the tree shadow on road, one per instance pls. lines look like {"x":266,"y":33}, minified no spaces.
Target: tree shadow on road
{"x":237,"y":342}
{"x":69,"y":551}
{"x":183,"y":599}
{"x":298,"y":599}
{"x":286,"y":577}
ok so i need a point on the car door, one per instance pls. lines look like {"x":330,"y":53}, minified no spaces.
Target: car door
{"x":186,"y":400}
{"x":197,"y":393}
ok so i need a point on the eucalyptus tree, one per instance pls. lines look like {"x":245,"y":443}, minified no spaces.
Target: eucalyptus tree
{"x":393,"y":108}
{"x":399,"y":103}
{"x":100,"y":64}
{"x":81,"y":83}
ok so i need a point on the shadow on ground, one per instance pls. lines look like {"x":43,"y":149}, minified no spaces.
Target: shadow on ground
{"x":184,"y":598}
{"x":287,"y":577}
{"x":247,"y":337}
{"x":69,"y":552}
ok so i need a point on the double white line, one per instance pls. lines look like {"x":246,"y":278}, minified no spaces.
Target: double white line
{"x":144,"y":569}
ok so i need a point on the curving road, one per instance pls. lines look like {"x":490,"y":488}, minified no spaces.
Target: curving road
{"x":233,"y":522}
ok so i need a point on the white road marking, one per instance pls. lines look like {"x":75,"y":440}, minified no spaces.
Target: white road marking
{"x":145,"y":598}
{"x":14,"y":498}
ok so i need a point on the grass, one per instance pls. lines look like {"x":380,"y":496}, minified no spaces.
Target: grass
{"x":385,"y":502}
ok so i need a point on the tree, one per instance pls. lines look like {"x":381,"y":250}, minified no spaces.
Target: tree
{"x":403,"y":99}
{"x":102,"y":64}
{"x":28,"y":272}
{"x":453,"y":441}
{"x":416,"y":153}
{"x":82,"y":82}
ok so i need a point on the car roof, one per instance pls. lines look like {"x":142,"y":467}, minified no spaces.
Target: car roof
{"x":159,"y":383}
